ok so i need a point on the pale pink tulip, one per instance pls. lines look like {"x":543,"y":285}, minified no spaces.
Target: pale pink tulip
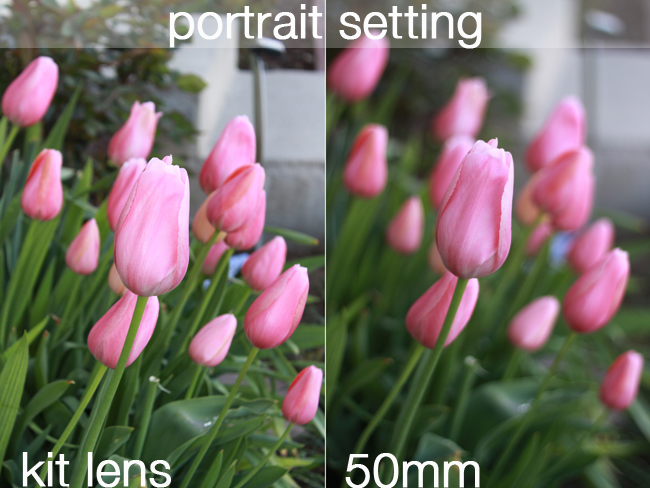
{"x":453,"y":152}
{"x":42,"y":196}
{"x":135,"y":138}
{"x":591,"y":245}
{"x":533,"y":324}
{"x":463,"y":114}
{"x":621,"y":382}
{"x":201,"y":226}
{"x":434,"y":260}
{"x":538,"y":238}
{"x":525,"y":209}
{"x":213,"y":257}
{"x":300,"y":404}
{"x":210,"y":345}
{"x":265,"y":265}
{"x":366,"y":170}
{"x":126,"y":178}
{"x":114,"y":281}
{"x":82,"y":255}
{"x":404,"y":233}
{"x":247,"y":235}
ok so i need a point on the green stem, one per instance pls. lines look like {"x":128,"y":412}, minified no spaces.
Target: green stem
{"x":418,"y":388}
{"x":528,"y":287}
{"x":212,"y":433}
{"x":242,"y":302}
{"x":266,"y":458}
{"x":143,"y":424}
{"x":94,"y":428}
{"x":513,"y":365}
{"x":198,"y":374}
{"x":471,"y":365}
{"x":494,"y":477}
{"x":8,"y":142}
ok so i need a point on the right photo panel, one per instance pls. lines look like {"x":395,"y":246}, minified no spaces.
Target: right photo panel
{"x":488,"y":245}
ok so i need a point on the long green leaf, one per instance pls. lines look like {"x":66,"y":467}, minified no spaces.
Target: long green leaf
{"x":54,"y":139}
{"x":12,"y":383}
{"x":293,"y":235}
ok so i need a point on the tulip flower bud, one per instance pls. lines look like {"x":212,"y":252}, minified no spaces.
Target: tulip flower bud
{"x":525,"y":209}
{"x":201,"y":226}
{"x":82,"y":255}
{"x":275,"y":314}
{"x":591,"y":245}
{"x":564,"y":131}
{"x":107,"y":337}
{"x":152,"y":245}
{"x":533,"y":324}
{"x":621,"y":382}
{"x":366,"y":170}
{"x":247,"y":235}
{"x":210,"y":345}
{"x":404,"y":233}
{"x":135,"y":138}
{"x":300,"y":404}
{"x":597,"y":294}
{"x":434,"y":260}
{"x":355,"y":72}
{"x":234,"y":149}
{"x":426,"y":316}
{"x":538,"y":238}
{"x":565,"y":189}
{"x":453,"y":152}
{"x":213,"y":257}
{"x":265,"y":265}
{"x":473,"y":228}
{"x":234,"y":203}
{"x":463,"y":114}
{"x":42,"y":196}
{"x":29,"y":96}
{"x":126,"y":178}
{"x":114,"y":281}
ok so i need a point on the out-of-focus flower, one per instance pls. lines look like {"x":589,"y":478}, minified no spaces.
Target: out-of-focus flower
{"x":201,"y":226}
{"x":82,"y":255}
{"x":300,"y":404}
{"x":525,"y":209}
{"x":434,"y":260}
{"x":42,"y":196}
{"x":366,"y":170}
{"x":210,"y":345}
{"x":247,"y":235}
{"x":404,"y":233}
{"x":621,"y":382}
{"x":538,"y":238}
{"x":265,"y":265}
{"x":28,"y":97}
{"x":591,"y":245}
{"x":463,"y":114}
{"x":473,"y":228}
{"x":152,"y":245}
{"x":107,"y":337}
{"x":126,"y":178}
{"x":213,"y":257}
{"x":453,"y":152}
{"x":114,"y":281}
{"x":135,"y":138}
{"x":533,"y":324}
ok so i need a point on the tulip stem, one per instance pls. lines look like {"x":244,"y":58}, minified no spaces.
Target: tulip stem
{"x":266,"y":458}
{"x":471,"y":366}
{"x":212,"y":433}
{"x":198,"y":374}
{"x":101,"y":408}
{"x":422,"y":380}
{"x":513,"y":365}
{"x":143,"y":423}
{"x":494,"y":477}
{"x":530,"y":282}
{"x":8,"y":142}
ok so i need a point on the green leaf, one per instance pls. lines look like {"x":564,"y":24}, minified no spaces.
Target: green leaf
{"x":75,"y":214}
{"x":641,"y":416}
{"x":337,"y":334}
{"x":213,"y":474}
{"x":54,"y":139}
{"x":265,"y":477}
{"x":12,"y":383}
{"x":293,"y":235}
{"x":32,"y":334}
{"x":190,"y":83}
{"x":226,"y":480}
{"x":310,"y":262}
{"x":38,"y":309}
{"x":10,"y":218}
{"x":112,"y":439}
{"x":309,"y":336}
{"x":41,"y":363}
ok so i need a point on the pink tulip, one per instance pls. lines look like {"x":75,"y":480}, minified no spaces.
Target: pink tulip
{"x":596,"y":296}
{"x":591,"y":245}
{"x":42,"y":196}
{"x":621,"y":382}
{"x":82,"y":255}
{"x":114,"y":281}
{"x":247,"y":235}
{"x":201,"y":226}
{"x":210,"y":345}
{"x":473,"y":228}
{"x":564,"y":131}
{"x":366,"y":170}
{"x":355,"y":72}
{"x":453,"y":152}
{"x":275,"y":314}
{"x":107,"y":337}
{"x":533,"y":324}
{"x":234,"y":149}
{"x":135,"y":138}
{"x":434,"y":260}
{"x":265,"y":265}
{"x":426,"y":316}
{"x":565,"y":189}
{"x":235,"y":202}
{"x":525,"y":209}
{"x":538,"y":238}
{"x":404,"y":233}
{"x":152,"y":245}
{"x":28,"y":97}
{"x":213,"y":257}
{"x":126,"y":178}
{"x":463,"y":114}
{"x":300,"y":404}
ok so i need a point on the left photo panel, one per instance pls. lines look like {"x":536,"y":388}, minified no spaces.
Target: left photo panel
{"x":161,"y":251}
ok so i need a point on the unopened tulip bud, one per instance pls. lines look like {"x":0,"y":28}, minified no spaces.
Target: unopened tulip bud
{"x":201,"y":226}
{"x":404,"y":233}
{"x":247,"y":235}
{"x":463,"y":114}
{"x":434,"y":260}
{"x":126,"y":178}
{"x":42,"y":196}
{"x":525,"y":209}
{"x":152,"y":245}
{"x":135,"y":138}
{"x":115,"y":282}
{"x":234,"y":203}
{"x":591,"y":245}
{"x":234,"y":149}
{"x":107,"y":337}
{"x":473,"y":228}
{"x":82,"y":255}
{"x":453,"y":152}
{"x":265,"y":265}
{"x":355,"y":72}
{"x":366,"y":170}
{"x":597,"y":294}
{"x":210,"y":345}
{"x":300,"y":404}
{"x":426,"y":316}
{"x":564,"y":131}
{"x":275,"y":314}
{"x":28,"y":97}
{"x":538,"y":238}
{"x":533,"y":324}
{"x":213,"y":257}
{"x":621,"y":382}
{"x":565,"y":189}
